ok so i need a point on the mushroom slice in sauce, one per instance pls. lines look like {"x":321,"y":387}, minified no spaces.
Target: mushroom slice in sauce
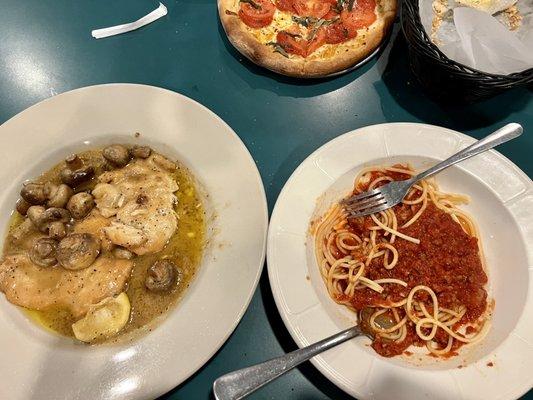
{"x":42,"y":220}
{"x":141,"y":151}
{"x":33,"y":193}
{"x":75,"y":177}
{"x":78,"y":251}
{"x":58,"y":196}
{"x":117,"y":155}
{"x":161,"y":276}
{"x":43,"y":252}
{"x":80,"y":205}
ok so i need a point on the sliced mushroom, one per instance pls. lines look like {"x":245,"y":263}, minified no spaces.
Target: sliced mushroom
{"x":58,"y":196}
{"x":22,"y":206}
{"x":57,"y":230}
{"x":80,"y":205}
{"x":117,"y":155}
{"x":43,"y":252}
{"x":161,"y":276}
{"x":141,"y":151}
{"x":34,"y":214}
{"x":78,"y":251}
{"x":33,"y":193}
{"x":75,"y":177}
{"x":73,"y":162}
{"x":121,"y":252}
{"x":52,"y":214}
{"x":164,"y":162}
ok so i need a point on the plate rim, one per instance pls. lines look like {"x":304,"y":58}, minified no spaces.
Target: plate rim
{"x":318,"y":362}
{"x":263,"y":207}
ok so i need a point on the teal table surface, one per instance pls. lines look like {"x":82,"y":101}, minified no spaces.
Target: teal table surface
{"x":46,"y":48}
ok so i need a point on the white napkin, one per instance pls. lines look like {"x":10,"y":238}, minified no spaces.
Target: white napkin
{"x":480,"y":40}
{"x":488,"y":45}
{"x":118,"y":29}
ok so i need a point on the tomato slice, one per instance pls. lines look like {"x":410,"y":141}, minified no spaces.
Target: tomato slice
{"x":318,"y":40}
{"x":285,"y":5}
{"x":312,"y":8}
{"x":336,"y":33}
{"x":292,"y":44}
{"x":259,"y":16}
{"x":331,"y":14}
{"x":362,"y":15}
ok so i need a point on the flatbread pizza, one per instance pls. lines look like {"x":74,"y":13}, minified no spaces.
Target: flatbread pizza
{"x":306,"y":38}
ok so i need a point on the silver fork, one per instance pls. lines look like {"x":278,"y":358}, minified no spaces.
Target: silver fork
{"x":392,"y":193}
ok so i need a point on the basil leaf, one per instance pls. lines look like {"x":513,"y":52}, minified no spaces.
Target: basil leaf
{"x":278,"y":49}
{"x":304,"y":21}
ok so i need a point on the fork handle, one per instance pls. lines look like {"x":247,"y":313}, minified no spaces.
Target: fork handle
{"x":239,"y":384}
{"x":502,"y":135}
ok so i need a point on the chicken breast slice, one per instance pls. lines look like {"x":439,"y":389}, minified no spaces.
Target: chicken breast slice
{"x":139,"y":200}
{"x":28,"y":285}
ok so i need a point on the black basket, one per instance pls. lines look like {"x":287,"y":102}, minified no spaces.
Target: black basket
{"x":446,"y":79}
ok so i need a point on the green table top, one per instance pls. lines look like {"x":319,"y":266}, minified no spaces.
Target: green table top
{"x":46,"y":48}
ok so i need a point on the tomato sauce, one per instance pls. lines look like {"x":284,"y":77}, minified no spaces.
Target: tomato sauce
{"x":447,"y":260}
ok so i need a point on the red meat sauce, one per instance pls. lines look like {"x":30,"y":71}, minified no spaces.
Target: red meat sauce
{"x":338,"y":26}
{"x":447,"y":260}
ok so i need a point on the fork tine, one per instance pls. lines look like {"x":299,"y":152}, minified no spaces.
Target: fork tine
{"x":367,"y":202}
{"x":361,"y":209}
{"x":361,"y":196}
{"x":372,"y":210}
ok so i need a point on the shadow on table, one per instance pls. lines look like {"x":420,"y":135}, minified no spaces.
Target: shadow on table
{"x":287,"y":86}
{"x":314,"y":376}
{"x":399,"y":81}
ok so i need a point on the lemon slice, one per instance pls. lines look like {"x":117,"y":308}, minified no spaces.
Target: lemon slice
{"x":104,"y":319}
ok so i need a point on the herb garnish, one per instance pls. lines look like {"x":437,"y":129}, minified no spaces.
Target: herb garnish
{"x":340,"y":5}
{"x":278,"y":49}
{"x":252,"y":3}
{"x":320,"y":23}
{"x":304,"y":21}
{"x":228,"y":12}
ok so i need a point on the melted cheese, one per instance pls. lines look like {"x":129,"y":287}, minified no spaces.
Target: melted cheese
{"x":282,"y":21}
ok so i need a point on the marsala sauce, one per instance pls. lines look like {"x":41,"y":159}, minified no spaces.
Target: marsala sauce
{"x":184,"y":248}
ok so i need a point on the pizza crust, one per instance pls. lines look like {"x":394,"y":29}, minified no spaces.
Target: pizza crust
{"x":316,"y":65}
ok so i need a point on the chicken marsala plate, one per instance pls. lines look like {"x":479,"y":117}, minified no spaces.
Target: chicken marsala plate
{"x":103,"y":243}
{"x":115,"y":248}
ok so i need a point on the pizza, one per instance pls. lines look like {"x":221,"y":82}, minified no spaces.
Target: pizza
{"x":306,"y":38}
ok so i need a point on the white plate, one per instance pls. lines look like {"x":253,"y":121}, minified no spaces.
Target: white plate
{"x":502,"y":204}
{"x":36,"y":364}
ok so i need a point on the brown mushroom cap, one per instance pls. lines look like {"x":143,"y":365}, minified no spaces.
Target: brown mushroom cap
{"x":122,"y":253}
{"x":33,"y":193}
{"x":80,"y":205}
{"x":141,"y":151}
{"x":57,"y":230}
{"x":22,"y":206}
{"x":58,"y":196}
{"x":34,"y":214}
{"x":73,"y":162}
{"x":78,"y":251}
{"x":117,"y":155}
{"x":43,"y":252}
{"x":75,"y":177}
{"x":161,"y":276}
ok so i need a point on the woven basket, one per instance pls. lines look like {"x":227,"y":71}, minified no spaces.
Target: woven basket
{"x":446,"y":79}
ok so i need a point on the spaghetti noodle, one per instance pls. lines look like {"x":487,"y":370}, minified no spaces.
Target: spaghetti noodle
{"x":419,"y":263}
